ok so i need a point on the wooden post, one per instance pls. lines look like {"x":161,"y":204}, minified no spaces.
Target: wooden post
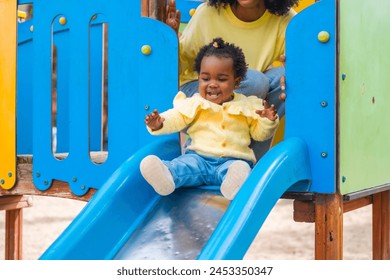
{"x":13,"y":206}
{"x":381,"y":226}
{"x":145,"y":8}
{"x":329,"y":227}
{"x":154,"y":9}
{"x":13,"y":234}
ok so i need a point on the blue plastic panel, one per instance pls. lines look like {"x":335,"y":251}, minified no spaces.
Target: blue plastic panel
{"x":185,"y":6}
{"x":60,"y":86}
{"x":137,"y":84}
{"x":311,"y":90}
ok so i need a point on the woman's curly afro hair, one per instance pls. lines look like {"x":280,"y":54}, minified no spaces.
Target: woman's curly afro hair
{"x":276,"y":7}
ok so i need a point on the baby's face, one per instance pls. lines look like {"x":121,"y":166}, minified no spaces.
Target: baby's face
{"x":216,"y":79}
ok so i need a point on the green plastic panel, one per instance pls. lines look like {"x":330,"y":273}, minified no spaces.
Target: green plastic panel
{"x":364,"y":95}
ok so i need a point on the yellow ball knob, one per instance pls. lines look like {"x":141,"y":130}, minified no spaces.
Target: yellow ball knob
{"x":146,"y":49}
{"x":192,"y":12}
{"x":323,"y":36}
{"x":62,"y":20}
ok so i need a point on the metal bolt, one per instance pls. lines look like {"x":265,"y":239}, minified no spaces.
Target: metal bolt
{"x":45,"y":182}
{"x":324,"y":154}
{"x":324,"y":103}
{"x":146,"y":107}
{"x":83,"y":187}
{"x":10,"y":174}
{"x":74,"y":179}
{"x":38,"y":174}
{"x":343,"y":179}
{"x":2,"y":181}
{"x":343,"y":76}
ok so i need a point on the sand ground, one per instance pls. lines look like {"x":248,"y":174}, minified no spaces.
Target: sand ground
{"x":280,"y":238}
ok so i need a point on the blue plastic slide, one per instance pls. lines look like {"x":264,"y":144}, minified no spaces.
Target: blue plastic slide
{"x":126,"y":219}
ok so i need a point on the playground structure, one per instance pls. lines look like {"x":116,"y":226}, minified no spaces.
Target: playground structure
{"x":333,"y":158}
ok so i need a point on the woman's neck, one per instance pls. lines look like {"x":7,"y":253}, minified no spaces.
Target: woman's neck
{"x":248,"y":14}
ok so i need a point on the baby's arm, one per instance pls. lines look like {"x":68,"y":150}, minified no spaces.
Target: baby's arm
{"x":154,"y":120}
{"x":268,"y":112}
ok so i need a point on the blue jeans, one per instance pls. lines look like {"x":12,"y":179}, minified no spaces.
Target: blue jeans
{"x":263,"y":85}
{"x":192,"y":169}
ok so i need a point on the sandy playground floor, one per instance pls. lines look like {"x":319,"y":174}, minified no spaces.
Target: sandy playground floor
{"x":280,"y":238}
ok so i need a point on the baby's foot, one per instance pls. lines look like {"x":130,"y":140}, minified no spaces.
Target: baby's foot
{"x":157,"y":175}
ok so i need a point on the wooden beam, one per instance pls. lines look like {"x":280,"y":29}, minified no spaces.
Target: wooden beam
{"x":357,"y":203}
{"x":25,"y":186}
{"x":15,"y":202}
{"x":304,"y":211}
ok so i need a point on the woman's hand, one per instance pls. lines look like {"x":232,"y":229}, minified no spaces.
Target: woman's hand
{"x":282,"y":96}
{"x":173,"y":16}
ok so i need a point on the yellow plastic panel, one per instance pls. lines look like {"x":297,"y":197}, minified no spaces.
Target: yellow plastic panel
{"x":303,"y":4}
{"x":8,"y":25}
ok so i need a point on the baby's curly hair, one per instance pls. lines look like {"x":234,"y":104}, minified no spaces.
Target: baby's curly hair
{"x":219,"y":48}
{"x":276,"y":7}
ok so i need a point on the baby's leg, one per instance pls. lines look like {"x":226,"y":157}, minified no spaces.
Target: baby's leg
{"x":188,"y":170}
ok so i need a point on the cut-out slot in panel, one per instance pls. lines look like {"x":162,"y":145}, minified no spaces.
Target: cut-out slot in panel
{"x":59,"y":86}
{"x":98,"y":85}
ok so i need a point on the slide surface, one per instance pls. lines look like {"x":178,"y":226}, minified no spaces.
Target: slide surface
{"x":126,"y":219}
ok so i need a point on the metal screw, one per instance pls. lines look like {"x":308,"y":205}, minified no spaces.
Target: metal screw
{"x":324,"y":103}
{"x":146,"y":107}
{"x":38,"y":174}
{"x":343,"y":179}
{"x":83,"y":187}
{"x":74,"y":179}
{"x":45,"y":182}
{"x":10,"y":174}
{"x":343,"y":76}
{"x":324,"y":154}
{"x":2,"y":181}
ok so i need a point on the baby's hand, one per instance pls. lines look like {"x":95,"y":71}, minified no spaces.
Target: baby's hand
{"x":268,"y":112}
{"x":154,"y":120}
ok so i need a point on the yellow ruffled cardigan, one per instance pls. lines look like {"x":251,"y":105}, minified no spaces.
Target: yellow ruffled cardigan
{"x":219,"y":130}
